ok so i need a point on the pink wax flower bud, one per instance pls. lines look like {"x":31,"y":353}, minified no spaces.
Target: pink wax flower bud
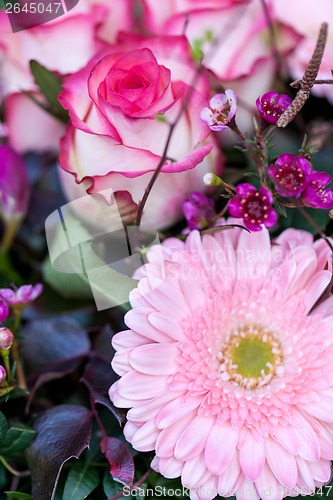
{"x":222,"y":110}
{"x":290,"y":174}
{"x":14,"y":185}
{"x":271,"y":106}
{"x":254,"y":207}
{"x":198,"y":210}
{"x":315,"y":195}
{"x":3,"y":374}
{"x":6,"y":338}
{"x":22,"y":295}
{"x":3,"y":311}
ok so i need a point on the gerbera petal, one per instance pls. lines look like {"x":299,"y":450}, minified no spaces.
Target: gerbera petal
{"x":228,"y":479}
{"x":176,"y":409}
{"x":285,"y":435}
{"x":268,"y":486}
{"x":321,"y":471}
{"x":138,"y":386}
{"x":167,"y":439}
{"x":167,"y":325}
{"x":251,"y":457}
{"x":163,"y":359}
{"x":193,"y":440}
{"x":283,"y":464}
{"x":247,"y":490}
{"x":170,"y":467}
{"x":220,"y":447}
{"x":194,"y":471}
{"x":145,"y":438}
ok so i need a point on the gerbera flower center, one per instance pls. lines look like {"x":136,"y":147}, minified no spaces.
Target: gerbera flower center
{"x":251,"y":356}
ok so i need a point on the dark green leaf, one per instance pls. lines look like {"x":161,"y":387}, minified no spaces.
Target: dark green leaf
{"x":110,"y":486}
{"x":49,"y":85}
{"x":16,"y":495}
{"x":63,"y":433}
{"x":3,"y":427}
{"x":18,"y":438}
{"x":82,"y":480}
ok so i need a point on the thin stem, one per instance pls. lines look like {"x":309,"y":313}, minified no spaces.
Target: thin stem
{"x":9,"y":233}
{"x":17,"y":473}
{"x":235,"y":19}
{"x":16,"y":354}
{"x":275,"y":52}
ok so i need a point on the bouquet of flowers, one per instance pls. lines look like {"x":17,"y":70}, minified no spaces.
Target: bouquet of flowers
{"x":166,"y":271}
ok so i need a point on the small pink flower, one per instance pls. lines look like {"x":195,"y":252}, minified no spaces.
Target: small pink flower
{"x":315,"y":195}
{"x":226,"y":369}
{"x":3,"y":374}
{"x":222,"y":110}
{"x":3,"y":311}
{"x":6,"y":338}
{"x":23,"y":295}
{"x":271,"y":106}
{"x":198,"y":210}
{"x":290,"y":174}
{"x":254,"y":207}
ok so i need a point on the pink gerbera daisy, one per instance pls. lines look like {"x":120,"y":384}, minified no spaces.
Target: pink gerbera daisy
{"x":226,"y":369}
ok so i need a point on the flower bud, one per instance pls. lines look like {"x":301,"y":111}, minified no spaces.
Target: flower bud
{"x":6,"y":338}
{"x":14,"y":185}
{"x":211,"y":179}
{"x":3,"y":374}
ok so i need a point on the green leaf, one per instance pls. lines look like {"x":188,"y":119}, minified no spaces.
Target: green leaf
{"x":18,"y":438}
{"x":110,"y":286}
{"x":82,"y":480}
{"x":16,"y":495}
{"x":50,"y":87}
{"x":3,"y":427}
{"x":110,"y":486}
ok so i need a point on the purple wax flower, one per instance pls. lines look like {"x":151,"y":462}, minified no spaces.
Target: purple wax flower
{"x":3,"y":374}
{"x":3,"y":311}
{"x":254,"y":207}
{"x":198,"y":210}
{"x":23,"y":295}
{"x":290,"y":174}
{"x":14,"y":185}
{"x":271,"y":106}
{"x":315,"y":195}
{"x":222,"y":110}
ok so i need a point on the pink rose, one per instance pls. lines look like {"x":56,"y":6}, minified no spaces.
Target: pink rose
{"x":243,"y":60}
{"x":63,"y":45}
{"x":306,"y":22}
{"x":120,"y":105}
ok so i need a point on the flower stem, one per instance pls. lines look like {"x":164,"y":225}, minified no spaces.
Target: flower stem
{"x":10,"y":230}
{"x":16,"y":354}
{"x":17,"y":473}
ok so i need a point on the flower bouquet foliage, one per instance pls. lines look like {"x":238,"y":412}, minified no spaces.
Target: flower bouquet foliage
{"x":166,"y":251}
